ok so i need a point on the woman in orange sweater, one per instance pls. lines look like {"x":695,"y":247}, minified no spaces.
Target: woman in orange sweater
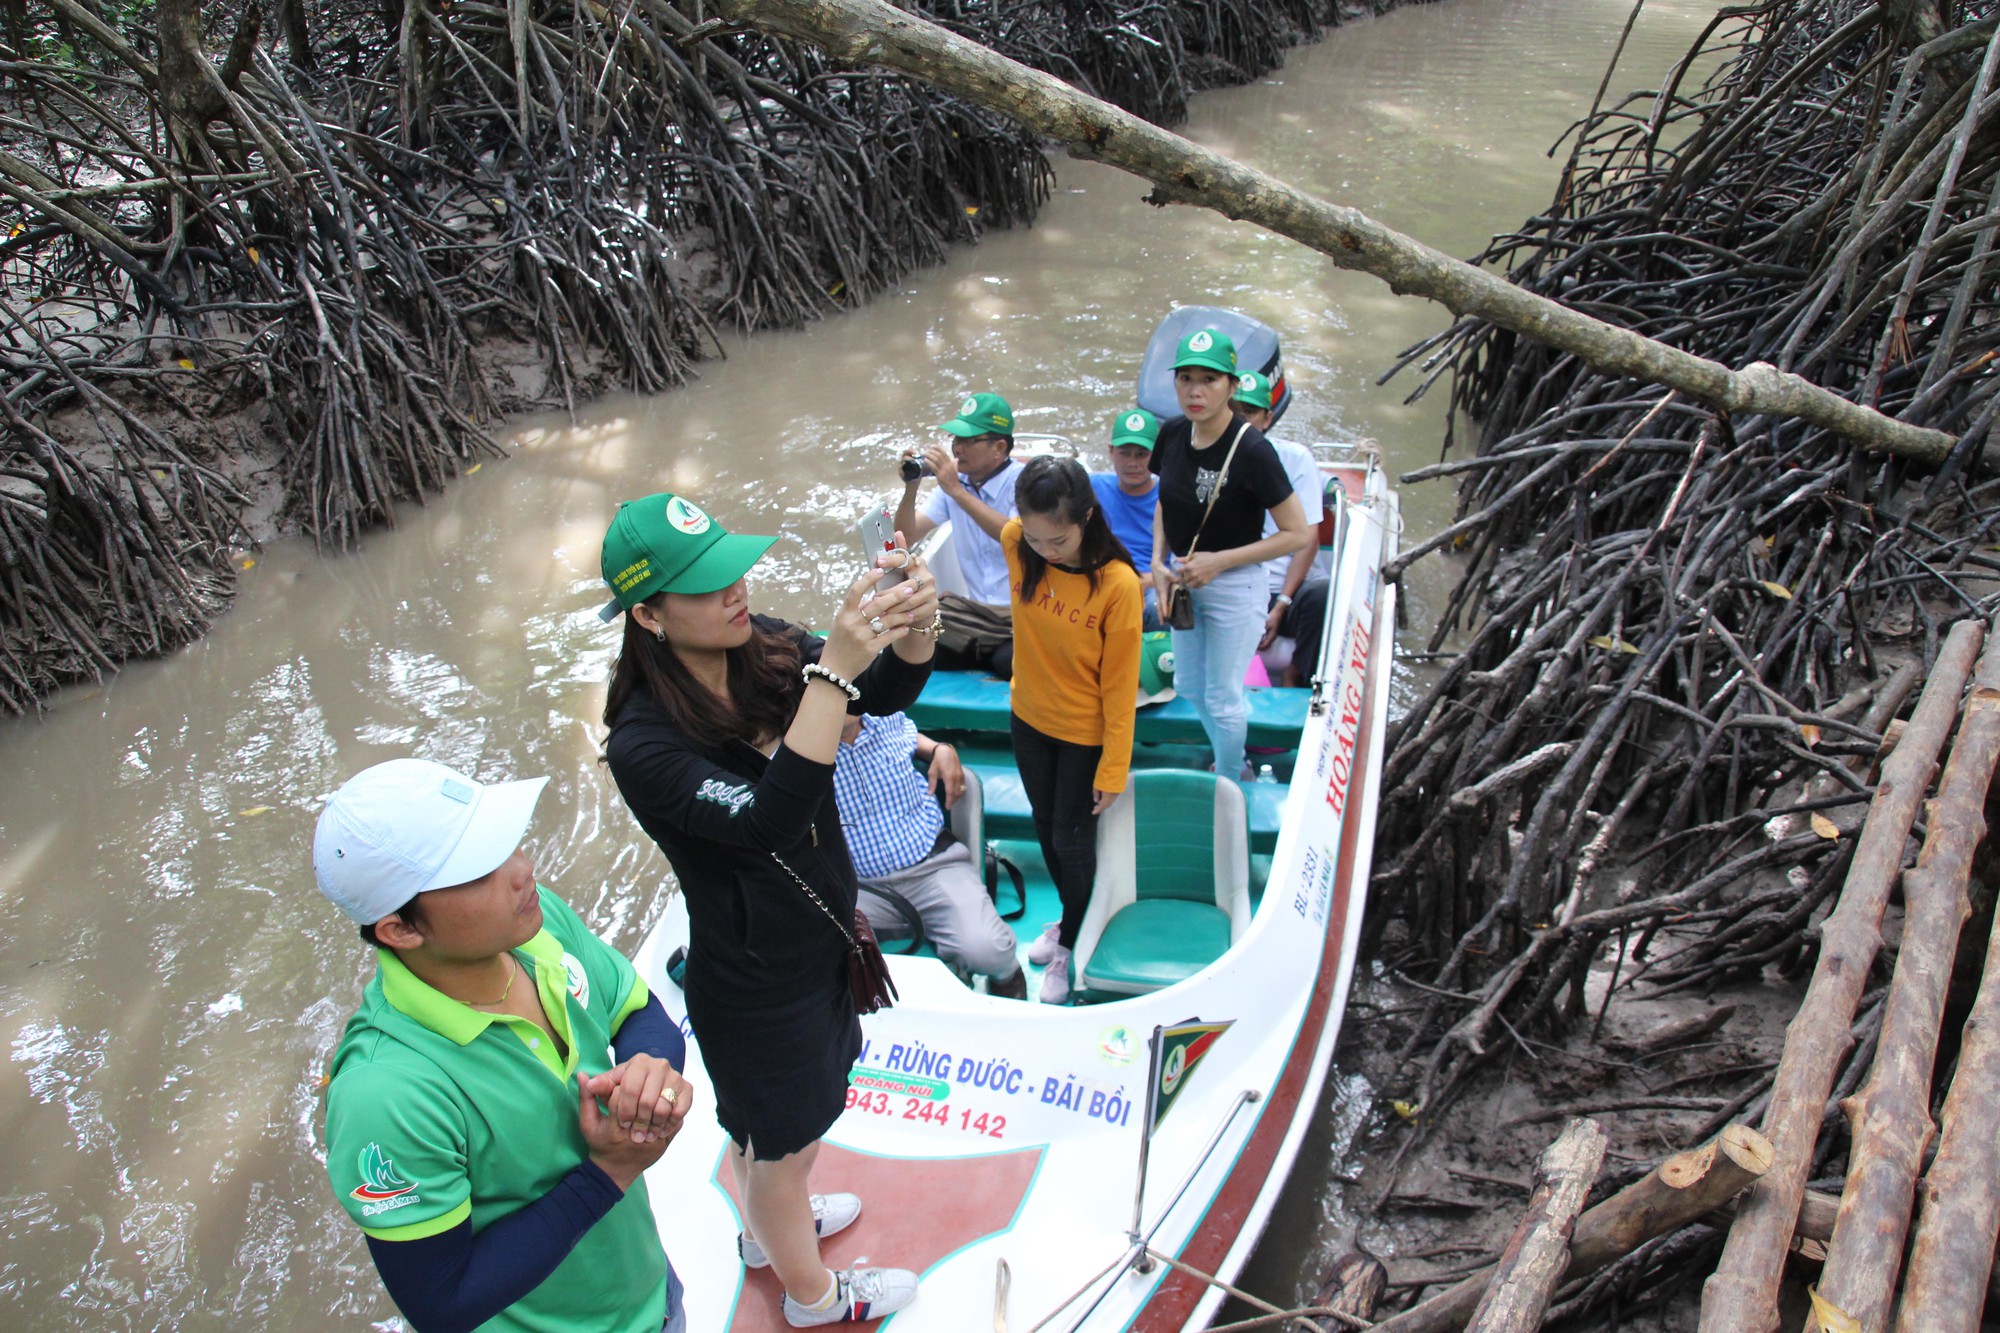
{"x":1077,"y":607}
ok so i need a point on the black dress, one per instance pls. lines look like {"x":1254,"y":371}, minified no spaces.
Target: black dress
{"x":766,"y":978}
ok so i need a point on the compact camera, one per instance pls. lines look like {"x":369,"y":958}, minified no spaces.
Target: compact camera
{"x":915,"y":469}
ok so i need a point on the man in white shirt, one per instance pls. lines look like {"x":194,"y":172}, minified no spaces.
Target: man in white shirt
{"x":1288,"y":573}
{"x":975,"y":474}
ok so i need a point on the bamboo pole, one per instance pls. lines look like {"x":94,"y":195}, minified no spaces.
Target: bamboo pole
{"x":1890,"y":1117}
{"x":1741,"y":1296}
{"x":871,"y":32}
{"x":1685,"y":1188}
{"x":1537,"y":1254}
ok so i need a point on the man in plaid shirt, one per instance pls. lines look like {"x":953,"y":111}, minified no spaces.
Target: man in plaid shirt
{"x":914,"y":874}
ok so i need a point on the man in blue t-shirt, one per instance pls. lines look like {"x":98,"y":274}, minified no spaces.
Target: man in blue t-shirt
{"x":1129,"y":492}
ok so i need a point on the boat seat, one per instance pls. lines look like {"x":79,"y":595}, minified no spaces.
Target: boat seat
{"x":967,"y":821}
{"x":1173,"y":883}
{"x":972,"y":702}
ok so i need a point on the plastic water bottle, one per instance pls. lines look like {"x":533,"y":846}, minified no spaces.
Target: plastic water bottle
{"x":1266,"y":774}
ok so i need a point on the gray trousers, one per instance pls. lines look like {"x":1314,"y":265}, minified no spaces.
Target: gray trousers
{"x":944,"y":897}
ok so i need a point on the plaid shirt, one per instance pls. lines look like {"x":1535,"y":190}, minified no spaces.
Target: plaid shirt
{"x":886,"y":807}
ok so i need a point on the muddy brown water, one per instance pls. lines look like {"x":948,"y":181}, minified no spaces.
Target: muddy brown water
{"x":171,"y":986}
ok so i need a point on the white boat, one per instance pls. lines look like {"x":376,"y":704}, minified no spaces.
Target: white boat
{"x":997,"y":1144}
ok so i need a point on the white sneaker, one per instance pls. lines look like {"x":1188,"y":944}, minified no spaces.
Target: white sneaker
{"x":831,"y":1213}
{"x":861,"y":1294}
{"x":1045,"y":945}
{"x":1055,"y":981}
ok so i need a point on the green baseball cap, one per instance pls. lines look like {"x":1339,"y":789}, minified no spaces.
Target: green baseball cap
{"x":1252,"y":389}
{"x":981,"y":414}
{"x":665,"y":543}
{"x":1156,"y":668}
{"x":1135,"y":425}
{"x":1208,"y":349}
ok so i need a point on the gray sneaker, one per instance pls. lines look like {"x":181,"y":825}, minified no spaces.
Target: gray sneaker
{"x":831,"y":1213}
{"x":864,"y":1294}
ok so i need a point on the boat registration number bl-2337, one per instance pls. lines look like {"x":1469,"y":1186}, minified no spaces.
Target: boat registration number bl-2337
{"x":987,"y":1123}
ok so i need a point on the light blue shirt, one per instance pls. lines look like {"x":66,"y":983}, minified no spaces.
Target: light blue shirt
{"x":980,"y":558}
{"x":886,"y":807}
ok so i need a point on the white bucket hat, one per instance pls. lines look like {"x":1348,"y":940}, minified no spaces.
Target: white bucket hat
{"x":408,"y":826}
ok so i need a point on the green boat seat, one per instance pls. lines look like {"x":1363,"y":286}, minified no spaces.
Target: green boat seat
{"x":974,"y":702}
{"x":1173,"y":883}
{"x":1008,"y":814}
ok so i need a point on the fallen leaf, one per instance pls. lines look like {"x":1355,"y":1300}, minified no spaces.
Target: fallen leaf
{"x":972,"y":210}
{"x":1777,"y":589}
{"x":1612,"y":645}
{"x":246,"y":564}
{"x":836,"y":289}
{"x":1810,"y":733}
{"x":474,"y":468}
{"x":1404,"y":1109}
{"x":252,"y":252}
{"x":1832,"y":1319}
{"x":1825,"y":827}
{"x":185,"y":364}
{"x":255,"y":810}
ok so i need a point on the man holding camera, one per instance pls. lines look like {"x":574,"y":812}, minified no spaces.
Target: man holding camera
{"x":975,"y":491}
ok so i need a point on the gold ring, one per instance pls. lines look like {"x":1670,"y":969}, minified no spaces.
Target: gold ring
{"x":670,"y":1096}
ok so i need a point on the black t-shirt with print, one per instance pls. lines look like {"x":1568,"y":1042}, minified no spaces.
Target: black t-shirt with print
{"x":1256,"y":482}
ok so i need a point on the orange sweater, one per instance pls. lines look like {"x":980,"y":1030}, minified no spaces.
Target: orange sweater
{"x":1076,"y":657}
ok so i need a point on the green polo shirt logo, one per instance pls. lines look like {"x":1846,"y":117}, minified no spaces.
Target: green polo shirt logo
{"x":381,"y":1188}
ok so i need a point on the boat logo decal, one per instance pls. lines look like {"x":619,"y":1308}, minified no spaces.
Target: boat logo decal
{"x":380,"y":1184}
{"x":686,"y":517}
{"x":1114,"y":1045}
{"x":579,"y":980}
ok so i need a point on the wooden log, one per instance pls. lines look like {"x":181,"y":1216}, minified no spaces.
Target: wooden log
{"x":1741,"y":1296}
{"x":1959,"y":1208}
{"x":1890,"y":1117}
{"x":1682,"y":1189}
{"x":1537,"y":1254}
{"x":872,"y":32}
{"x":1350,"y":1290}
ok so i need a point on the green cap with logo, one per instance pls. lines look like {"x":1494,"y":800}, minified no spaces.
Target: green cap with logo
{"x":665,"y":543}
{"x":1207,"y":349}
{"x":1252,"y":390}
{"x":981,"y":414}
{"x":1135,"y":425}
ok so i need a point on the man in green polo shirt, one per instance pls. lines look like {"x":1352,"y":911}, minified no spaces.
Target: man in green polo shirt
{"x":506,"y":1079}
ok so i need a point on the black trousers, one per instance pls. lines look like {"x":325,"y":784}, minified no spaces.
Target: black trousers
{"x":1060,"y":779}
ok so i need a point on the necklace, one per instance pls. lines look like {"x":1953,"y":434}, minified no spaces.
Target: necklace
{"x":514,"y":970}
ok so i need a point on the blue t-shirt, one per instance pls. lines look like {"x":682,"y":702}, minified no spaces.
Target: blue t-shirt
{"x":1130,"y":516}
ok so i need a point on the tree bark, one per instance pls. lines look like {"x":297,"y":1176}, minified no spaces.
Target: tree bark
{"x":1952,"y":1260}
{"x":1537,"y":1254}
{"x":290,"y":20}
{"x":1741,"y":1296}
{"x":1890,"y":1117}
{"x":1685,"y":1188}
{"x":871,"y":32}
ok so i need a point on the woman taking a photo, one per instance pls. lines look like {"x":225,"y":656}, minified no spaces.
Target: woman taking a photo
{"x":724,"y":729}
{"x":1077,"y":607}
{"x":1219,"y":478}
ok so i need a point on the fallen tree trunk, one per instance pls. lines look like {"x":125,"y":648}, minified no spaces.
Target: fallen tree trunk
{"x":1741,"y":1296}
{"x":872,"y":32}
{"x":1683,"y":1189}
{"x":1537,"y":1255}
{"x":1890,"y":1118}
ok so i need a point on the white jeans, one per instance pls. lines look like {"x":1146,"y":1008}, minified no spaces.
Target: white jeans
{"x":1210,"y":659}
{"x":943,"y":896}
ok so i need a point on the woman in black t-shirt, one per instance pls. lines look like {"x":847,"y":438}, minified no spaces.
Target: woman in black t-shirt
{"x":1219,"y":477}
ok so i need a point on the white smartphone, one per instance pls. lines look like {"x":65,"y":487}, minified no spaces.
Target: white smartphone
{"x":878,"y":534}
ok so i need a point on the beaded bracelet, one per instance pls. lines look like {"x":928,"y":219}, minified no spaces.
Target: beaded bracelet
{"x":935,"y":628}
{"x":846,"y":687}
